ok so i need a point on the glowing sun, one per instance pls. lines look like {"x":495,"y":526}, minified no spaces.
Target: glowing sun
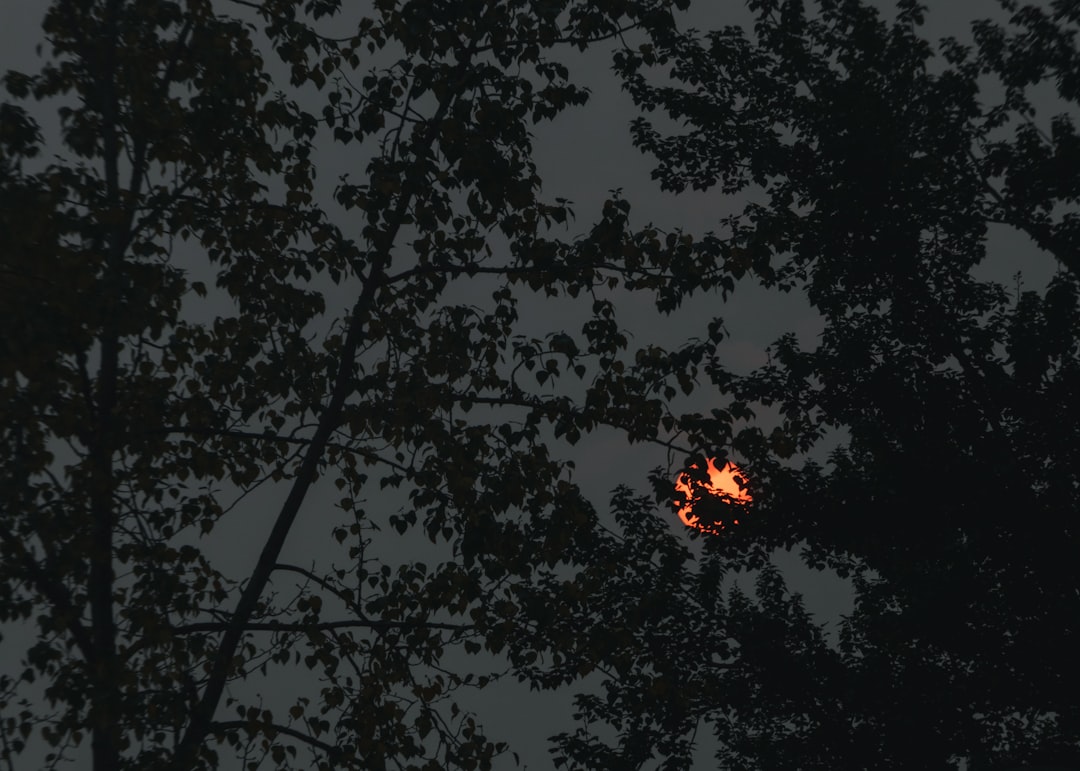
{"x":700,"y":511}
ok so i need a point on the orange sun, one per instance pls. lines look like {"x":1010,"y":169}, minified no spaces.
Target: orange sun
{"x":722,"y":487}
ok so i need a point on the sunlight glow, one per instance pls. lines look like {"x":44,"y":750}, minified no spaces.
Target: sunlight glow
{"x":723,"y":484}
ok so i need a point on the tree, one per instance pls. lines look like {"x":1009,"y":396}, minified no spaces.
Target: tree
{"x":170,"y":273}
{"x":879,"y":162}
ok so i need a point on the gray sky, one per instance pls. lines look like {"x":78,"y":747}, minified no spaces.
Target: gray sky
{"x":580,"y":156}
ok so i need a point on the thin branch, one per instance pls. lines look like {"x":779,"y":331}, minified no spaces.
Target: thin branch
{"x":468,"y":270}
{"x":618,"y":32}
{"x":323,"y":584}
{"x":554,"y":407}
{"x":232,"y":725}
{"x":246,"y":435}
{"x":279,"y":626}
{"x":568,"y":39}
{"x":513,"y":270}
{"x":374,"y":457}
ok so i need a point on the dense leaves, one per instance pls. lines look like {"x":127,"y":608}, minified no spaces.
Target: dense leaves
{"x":214,"y":333}
{"x":205,"y":339}
{"x":877,"y":163}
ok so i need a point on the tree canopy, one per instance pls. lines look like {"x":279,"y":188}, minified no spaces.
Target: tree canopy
{"x":878,"y":163}
{"x":189,"y":319}
{"x":205,"y":337}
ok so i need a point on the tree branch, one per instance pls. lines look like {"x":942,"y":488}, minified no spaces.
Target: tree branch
{"x":279,"y":626}
{"x":323,"y":584}
{"x":253,"y":726}
{"x":221,"y":664}
{"x":105,"y":710}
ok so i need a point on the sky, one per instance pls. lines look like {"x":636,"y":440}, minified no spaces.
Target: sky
{"x":581,"y":156}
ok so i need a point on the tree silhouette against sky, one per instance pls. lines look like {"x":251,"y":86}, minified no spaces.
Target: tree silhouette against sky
{"x":194,"y":339}
{"x":220,"y":339}
{"x":882,"y":160}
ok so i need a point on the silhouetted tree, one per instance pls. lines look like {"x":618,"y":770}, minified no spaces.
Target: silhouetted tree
{"x":187,"y":319}
{"x":877,"y":162}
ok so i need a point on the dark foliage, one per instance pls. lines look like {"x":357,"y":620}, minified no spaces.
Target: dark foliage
{"x":879,"y":164}
{"x":191,"y":322}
